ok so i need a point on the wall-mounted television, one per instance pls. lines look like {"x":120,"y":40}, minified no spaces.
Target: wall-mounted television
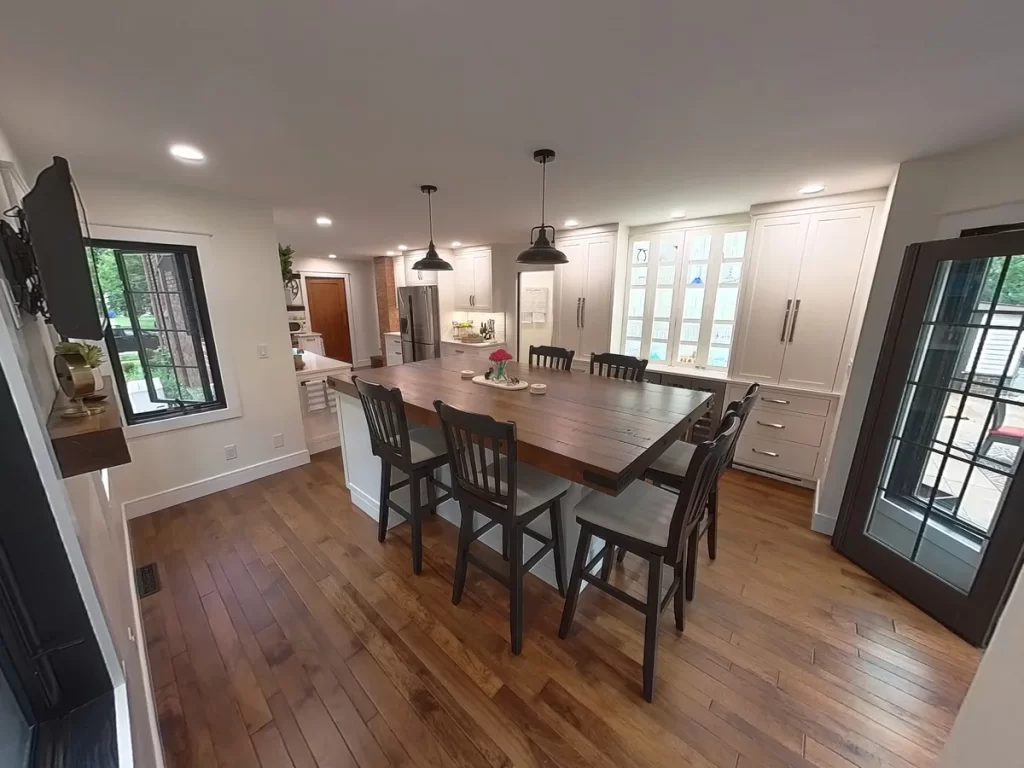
{"x":74,"y":302}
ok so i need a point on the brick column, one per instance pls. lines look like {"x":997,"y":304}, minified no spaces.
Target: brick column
{"x":387,"y":299}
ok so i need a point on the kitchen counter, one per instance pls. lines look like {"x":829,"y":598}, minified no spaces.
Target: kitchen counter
{"x":491,"y":343}
{"x":320,"y":367}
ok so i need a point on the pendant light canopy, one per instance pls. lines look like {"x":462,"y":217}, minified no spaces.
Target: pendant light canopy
{"x":542,"y":250}
{"x":431,"y":262}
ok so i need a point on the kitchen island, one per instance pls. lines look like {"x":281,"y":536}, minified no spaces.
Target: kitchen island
{"x":599,"y":433}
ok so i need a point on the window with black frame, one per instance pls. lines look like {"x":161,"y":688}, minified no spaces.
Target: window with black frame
{"x":165,"y":362}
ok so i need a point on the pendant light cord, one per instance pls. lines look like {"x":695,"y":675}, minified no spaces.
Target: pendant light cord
{"x":430,"y":217}
{"x":543,"y":189}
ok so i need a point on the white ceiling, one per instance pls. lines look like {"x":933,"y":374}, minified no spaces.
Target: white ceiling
{"x":347,"y":107}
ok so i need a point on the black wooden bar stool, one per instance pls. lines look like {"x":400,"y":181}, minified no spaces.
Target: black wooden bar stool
{"x":416,"y":454}
{"x":669,"y":471}
{"x":558,"y":358}
{"x":509,"y":494}
{"x":655,"y":524}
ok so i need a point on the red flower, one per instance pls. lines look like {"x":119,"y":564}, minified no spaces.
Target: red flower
{"x":499,"y":356}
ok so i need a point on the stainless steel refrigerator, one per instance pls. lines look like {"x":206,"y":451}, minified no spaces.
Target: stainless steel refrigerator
{"x":419,"y":323}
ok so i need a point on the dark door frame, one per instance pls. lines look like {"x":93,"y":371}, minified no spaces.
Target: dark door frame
{"x":972,"y":615}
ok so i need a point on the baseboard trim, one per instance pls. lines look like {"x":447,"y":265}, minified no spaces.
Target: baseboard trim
{"x":823,"y":523}
{"x":157,"y":501}
{"x":364,"y":502}
{"x":323,"y":443}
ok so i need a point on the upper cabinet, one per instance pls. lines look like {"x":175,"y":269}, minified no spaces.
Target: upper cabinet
{"x":473,"y":279}
{"x":425,"y":276}
{"x":799,"y":302}
{"x":583,"y":316}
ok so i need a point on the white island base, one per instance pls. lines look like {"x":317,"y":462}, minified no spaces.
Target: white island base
{"x":362,"y":478}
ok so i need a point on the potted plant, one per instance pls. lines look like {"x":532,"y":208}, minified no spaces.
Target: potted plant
{"x":92,"y":354}
{"x":289,"y":277}
{"x":499,"y":357}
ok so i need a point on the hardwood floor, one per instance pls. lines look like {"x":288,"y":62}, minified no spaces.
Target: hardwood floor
{"x":286,"y":636}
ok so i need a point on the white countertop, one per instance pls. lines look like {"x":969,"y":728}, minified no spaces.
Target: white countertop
{"x":695,"y":373}
{"x":305,"y":333}
{"x":491,"y":343}
{"x":392,"y":333}
{"x":319,"y":367}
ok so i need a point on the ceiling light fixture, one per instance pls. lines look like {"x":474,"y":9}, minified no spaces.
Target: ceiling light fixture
{"x":324,"y":221}
{"x":332,"y":255}
{"x":677,"y":215}
{"x":391,"y":253}
{"x":188,"y":153}
{"x":431,"y":262}
{"x":541,"y":250}
{"x":456,"y":244}
{"x":571,"y":223}
{"x":403,"y":247}
{"x":812,"y":189}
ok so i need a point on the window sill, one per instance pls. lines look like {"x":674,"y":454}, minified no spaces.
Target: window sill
{"x":181,"y":422}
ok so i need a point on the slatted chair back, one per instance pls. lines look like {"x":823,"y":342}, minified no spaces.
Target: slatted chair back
{"x":709,"y":461}
{"x":384,"y":409}
{"x":615,"y":366}
{"x":742,"y":409}
{"x":558,"y":358}
{"x":476,"y":444}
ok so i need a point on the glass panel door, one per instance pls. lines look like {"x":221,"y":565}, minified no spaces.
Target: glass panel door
{"x":935,"y":511}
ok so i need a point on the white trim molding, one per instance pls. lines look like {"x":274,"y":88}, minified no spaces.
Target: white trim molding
{"x":148,"y":504}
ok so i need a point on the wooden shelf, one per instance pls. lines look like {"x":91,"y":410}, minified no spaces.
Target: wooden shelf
{"x":91,"y":443}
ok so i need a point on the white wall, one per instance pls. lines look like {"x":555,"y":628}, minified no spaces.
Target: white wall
{"x":242,"y":278}
{"x":363,"y":323}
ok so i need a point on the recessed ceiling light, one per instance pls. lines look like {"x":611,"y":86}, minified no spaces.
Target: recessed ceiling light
{"x":456,"y":244}
{"x":403,"y":247}
{"x":812,"y":189}
{"x":571,"y":223}
{"x":188,"y":153}
{"x":677,"y":215}
{"x":391,"y":253}
{"x":324,"y":221}
{"x":332,"y":255}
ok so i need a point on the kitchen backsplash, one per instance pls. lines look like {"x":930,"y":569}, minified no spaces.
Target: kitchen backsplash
{"x":476,"y":318}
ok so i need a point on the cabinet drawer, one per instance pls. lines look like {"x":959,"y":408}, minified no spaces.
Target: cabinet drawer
{"x":779,"y":425}
{"x":776,"y":455}
{"x":454,"y":350}
{"x":784,"y":400}
{"x":394,"y":359}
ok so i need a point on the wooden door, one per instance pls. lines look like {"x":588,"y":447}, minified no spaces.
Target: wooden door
{"x":569,"y":293}
{"x":768,"y":298}
{"x":596,"y":313}
{"x":327,"y":306}
{"x":823,"y":300}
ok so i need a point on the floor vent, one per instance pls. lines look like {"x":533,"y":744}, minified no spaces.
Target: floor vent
{"x":147,"y":580}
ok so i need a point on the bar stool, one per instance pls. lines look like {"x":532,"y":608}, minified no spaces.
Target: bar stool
{"x":655,"y":524}
{"x":669,"y":470}
{"x":506,"y":492}
{"x":558,"y":358}
{"x":415,"y":454}
{"x":612,"y":366}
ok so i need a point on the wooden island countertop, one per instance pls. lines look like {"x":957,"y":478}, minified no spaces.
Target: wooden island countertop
{"x":595,"y":431}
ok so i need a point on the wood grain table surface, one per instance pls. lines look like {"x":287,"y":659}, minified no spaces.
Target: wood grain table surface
{"x":599,"y":432}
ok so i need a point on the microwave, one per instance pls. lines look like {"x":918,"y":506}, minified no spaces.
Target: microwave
{"x":295,"y":326}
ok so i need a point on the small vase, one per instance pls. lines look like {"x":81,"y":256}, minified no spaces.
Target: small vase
{"x":97,"y":379}
{"x":499,"y":371}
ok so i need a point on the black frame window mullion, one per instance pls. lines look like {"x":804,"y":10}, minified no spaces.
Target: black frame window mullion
{"x":189,"y":304}
{"x":133,"y":319}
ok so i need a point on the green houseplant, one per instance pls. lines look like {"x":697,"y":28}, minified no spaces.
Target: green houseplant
{"x":91,"y":353}
{"x":289,"y":277}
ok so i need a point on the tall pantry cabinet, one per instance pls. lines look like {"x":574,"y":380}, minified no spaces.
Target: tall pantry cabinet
{"x":583,"y":314}
{"x":799,"y":296}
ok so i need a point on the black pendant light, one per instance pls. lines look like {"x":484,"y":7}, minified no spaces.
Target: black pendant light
{"x":431,"y":262}
{"x":542,"y":250}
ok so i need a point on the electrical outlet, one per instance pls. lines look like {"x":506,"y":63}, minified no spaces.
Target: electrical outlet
{"x":230,"y":452}
{"x":279,"y":441}
{"x":262,"y":350}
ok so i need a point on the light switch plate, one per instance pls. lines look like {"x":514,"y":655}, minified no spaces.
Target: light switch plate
{"x":262,"y":350}
{"x":279,"y":441}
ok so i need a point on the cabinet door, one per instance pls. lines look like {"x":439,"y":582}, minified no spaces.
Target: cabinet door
{"x":398,"y":263}
{"x":417,"y":277}
{"x":596,"y":312}
{"x":764,"y":326}
{"x":464,"y":282}
{"x":824,"y":297}
{"x":569,"y":296}
{"x":481,"y":280}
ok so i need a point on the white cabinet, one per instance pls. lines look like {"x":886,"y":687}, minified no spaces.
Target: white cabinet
{"x":398,"y":263}
{"x":473,"y":279}
{"x":393,"y":348}
{"x":420,"y":277}
{"x":804,"y":271}
{"x":311,"y":342}
{"x":583,"y":287}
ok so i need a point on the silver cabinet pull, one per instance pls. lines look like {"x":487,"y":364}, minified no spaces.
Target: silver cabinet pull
{"x":460,"y":351}
{"x":785,"y":320}
{"x":792,"y":327}
{"x":579,"y":303}
{"x":583,"y":314}
{"x":765,"y":453}
{"x":775,"y":400}
{"x":773,"y":426}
